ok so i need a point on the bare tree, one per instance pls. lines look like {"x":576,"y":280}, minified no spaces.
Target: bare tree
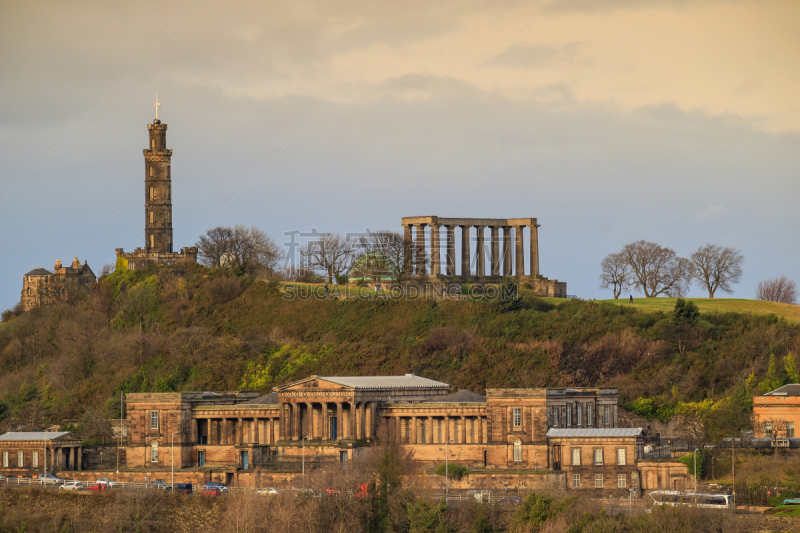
{"x":615,"y":274}
{"x":717,"y":268}
{"x":656,"y":269}
{"x":331,"y":253}
{"x":780,"y":289}
{"x":387,"y":254}
{"x":241,"y":248}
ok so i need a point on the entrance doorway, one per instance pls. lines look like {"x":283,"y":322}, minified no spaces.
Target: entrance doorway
{"x":343,"y":456}
{"x":245,"y":460}
{"x":201,"y":458}
{"x":334,"y":427}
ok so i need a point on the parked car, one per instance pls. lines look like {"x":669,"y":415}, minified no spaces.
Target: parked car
{"x":98,"y":486}
{"x":217,"y":484}
{"x":213,"y":491}
{"x":72,"y":485}
{"x":103,"y":481}
{"x":183,"y":488}
{"x":50,"y":478}
{"x":269,"y":491}
{"x":513,"y":500}
{"x":791,"y":501}
{"x":332,"y":492}
{"x":158,"y":484}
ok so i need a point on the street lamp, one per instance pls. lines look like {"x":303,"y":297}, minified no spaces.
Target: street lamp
{"x":446,"y":473}
{"x":303,"y":448}
{"x":172,"y":453}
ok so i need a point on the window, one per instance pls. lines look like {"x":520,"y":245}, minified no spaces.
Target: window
{"x":20,"y":459}
{"x":29,"y":291}
{"x":152,"y":193}
{"x":569,"y":415}
{"x":35,"y":458}
{"x":152,"y":241}
{"x":151,"y":217}
{"x":554,"y":416}
{"x":576,"y":481}
{"x":598,"y":456}
{"x":517,"y":417}
{"x":621,"y":456}
{"x":789,"y":430}
{"x":768,"y":430}
{"x":598,"y":481}
{"x":5,"y":459}
{"x":154,"y":452}
{"x":576,"y":456}
{"x":153,"y":419}
{"x":622,"y":481}
{"x":579,"y":418}
{"x":151,"y":172}
{"x":517,"y":451}
{"x":606,"y":415}
{"x":152,"y":144}
{"x":589,"y":411}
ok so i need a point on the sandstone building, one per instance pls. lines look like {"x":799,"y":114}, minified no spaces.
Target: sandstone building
{"x":776,"y":414}
{"x":42,"y":287}
{"x":22,"y":452}
{"x":158,"y":246}
{"x":496,"y":251}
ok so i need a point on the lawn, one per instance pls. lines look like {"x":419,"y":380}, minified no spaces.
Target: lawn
{"x":717,"y":305}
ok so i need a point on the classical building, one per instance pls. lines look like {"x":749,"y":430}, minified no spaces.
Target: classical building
{"x":158,"y":246}
{"x":776,"y":414}
{"x":42,"y":287}
{"x":24,"y":452}
{"x":496,"y":252}
{"x":329,"y":420}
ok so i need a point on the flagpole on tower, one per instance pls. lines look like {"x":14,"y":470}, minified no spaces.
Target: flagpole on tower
{"x":156,"y":104}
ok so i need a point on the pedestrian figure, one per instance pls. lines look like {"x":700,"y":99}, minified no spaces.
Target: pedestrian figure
{"x":326,"y":288}
{"x":631,"y":298}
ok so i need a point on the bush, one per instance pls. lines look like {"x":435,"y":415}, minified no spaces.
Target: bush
{"x":688,"y":460}
{"x":454,"y":471}
{"x":342,"y":279}
{"x":8,"y":314}
{"x":223,"y":289}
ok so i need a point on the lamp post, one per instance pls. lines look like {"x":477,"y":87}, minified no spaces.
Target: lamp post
{"x":303,"y":448}
{"x":172,"y":454}
{"x":694,"y":455}
{"x":446,"y":473}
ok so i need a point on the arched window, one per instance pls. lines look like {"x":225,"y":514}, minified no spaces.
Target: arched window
{"x":152,"y":193}
{"x":152,"y":174}
{"x":154,"y":452}
{"x":29,"y":291}
{"x":152,"y":241}
{"x":153,"y":144}
{"x":517,"y":450}
{"x":151,"y":217}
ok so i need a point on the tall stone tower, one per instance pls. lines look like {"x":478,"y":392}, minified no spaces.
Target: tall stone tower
{"x":158,"y":191}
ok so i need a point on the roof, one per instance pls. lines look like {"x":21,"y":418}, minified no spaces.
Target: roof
{"x":462,"y":396}
{"x":39,"y":272}
{"x":792,"y":389}
{"x":267,"y":399}
{"x":594,"y":432}
{"x":34,"y":435}
{"x":409,"y":381}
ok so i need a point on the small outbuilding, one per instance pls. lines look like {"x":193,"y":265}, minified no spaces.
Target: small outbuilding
{"x":25,"y":451}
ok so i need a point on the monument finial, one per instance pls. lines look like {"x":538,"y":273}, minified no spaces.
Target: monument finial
{"x":156,"y":104}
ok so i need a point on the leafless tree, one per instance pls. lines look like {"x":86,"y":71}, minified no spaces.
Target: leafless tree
{"x":387,"y":254}
{"x":241,"y":248}
{"x":615,"y":274}
{"x":656,"y":269}
{"x":780,"y":289}
{"x":332,"y":253}
{"x":717,"y":268}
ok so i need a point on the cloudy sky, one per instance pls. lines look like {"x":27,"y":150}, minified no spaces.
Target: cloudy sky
{"x":610,"y":121}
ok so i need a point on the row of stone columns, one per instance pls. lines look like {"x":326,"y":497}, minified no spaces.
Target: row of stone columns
{"x":232,"y":430}
{"x":57,"y":458}
{"x":436,"y":429}
{"x":313,"y":420}
{"x":500,"y":260}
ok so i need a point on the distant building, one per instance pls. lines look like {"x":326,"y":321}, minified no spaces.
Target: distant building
{"x":158,"y":248}
{"x":42,"y":287}
{"x":23,"y":452}
{"x":776,"y":414}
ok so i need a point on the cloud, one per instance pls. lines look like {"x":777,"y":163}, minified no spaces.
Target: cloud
{"x":525,"y":54}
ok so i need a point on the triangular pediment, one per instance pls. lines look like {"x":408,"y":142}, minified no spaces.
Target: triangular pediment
{"x":311,"y":383}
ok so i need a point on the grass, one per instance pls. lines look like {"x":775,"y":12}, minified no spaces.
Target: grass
{"x":785,"y":510}
{"x":716,"y":305}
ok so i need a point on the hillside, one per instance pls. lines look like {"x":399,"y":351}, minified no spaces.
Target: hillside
{"x":716,"y":305}
{"x":187,"y":328}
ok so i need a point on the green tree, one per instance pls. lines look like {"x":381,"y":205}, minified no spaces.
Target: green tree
{"x":685,"y":312}
{"x":429,"y":517}
{"x":790,"y":366}
{"x":772,"y":381}
{"x":508,"y":298}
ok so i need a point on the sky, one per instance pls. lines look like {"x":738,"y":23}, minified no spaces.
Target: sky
{"x":609,"y":121}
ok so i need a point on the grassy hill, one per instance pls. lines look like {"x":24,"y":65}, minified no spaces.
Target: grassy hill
{"x":187,"y":328}
{"x":716,"y":305}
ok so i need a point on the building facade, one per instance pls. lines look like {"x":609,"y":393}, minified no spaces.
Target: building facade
{"x":158,"y":246}
{"x":25,"y":452}
{"x":42,"y":287}
{"x":776,"y":414}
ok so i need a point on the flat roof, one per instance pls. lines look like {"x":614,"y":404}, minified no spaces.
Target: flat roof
{"x":594,"y":432}
{"x":408,"y":381}
{"x":34,"y":435}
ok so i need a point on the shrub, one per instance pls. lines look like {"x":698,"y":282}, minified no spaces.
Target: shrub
{"x":688,"y":460}
{"x":223,"y":289}
{"x":342,"y":279}
{"x":454,"y":471}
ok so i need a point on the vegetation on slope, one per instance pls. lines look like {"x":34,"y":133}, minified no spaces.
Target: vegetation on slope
{"x":185,"y":327}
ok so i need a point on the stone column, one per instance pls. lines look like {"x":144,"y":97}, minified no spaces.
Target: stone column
{"x":79,"y":463}
{"x":296,"y":421}
{"x":479,"y":253}
{"x":465,"y":245}
{"x":373,"y":419}
{"x":324,"y":424}
{"x":446,"y":428}
{"x":430,"y":430}
{"x":223,"y":431}
{"x":310,"y":413}
{"x":495,"y":237}
{"x":520,"y":253}
{"x":53,"y":459}
{"x":339,"y":421}
{"x":413,"y":439}
{"x":352,"y":413}
{"x":362,"y":415}
{"x":534,"y":249}
{"x":451,"y":251}
{"x":506,"y":250}
{"x":281,"y":421}
{"x":435,"y":268}
{"x":254,"y":436}
{"x":463,"y":430}
{"x":407,"y":245}
{"x":420,"y":250}
{"x":192,"y":430}
{"x":240,"y":431}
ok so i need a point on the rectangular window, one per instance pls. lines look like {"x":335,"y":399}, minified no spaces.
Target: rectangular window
{"x":622,"y":481}
{"x":598,"y":456}
{"x":555,"y":417}
{"x":598,"y":481}
{"x":569,"y":415}
{"x":621,"y":456}
{"x":153,"y":419}
{"x":517,"y":415}
{"x":576,"y":481}
{"x":576,"y":456}
{"x":768,"y":430}
{"x":607,"y":415}
{"x":35,"y":458}
{"x":589,"y":411}
{"x":579,"y":418}
{"x":789,"y":430}
{"x":5,"y":459}
{"x":20,"y":460}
